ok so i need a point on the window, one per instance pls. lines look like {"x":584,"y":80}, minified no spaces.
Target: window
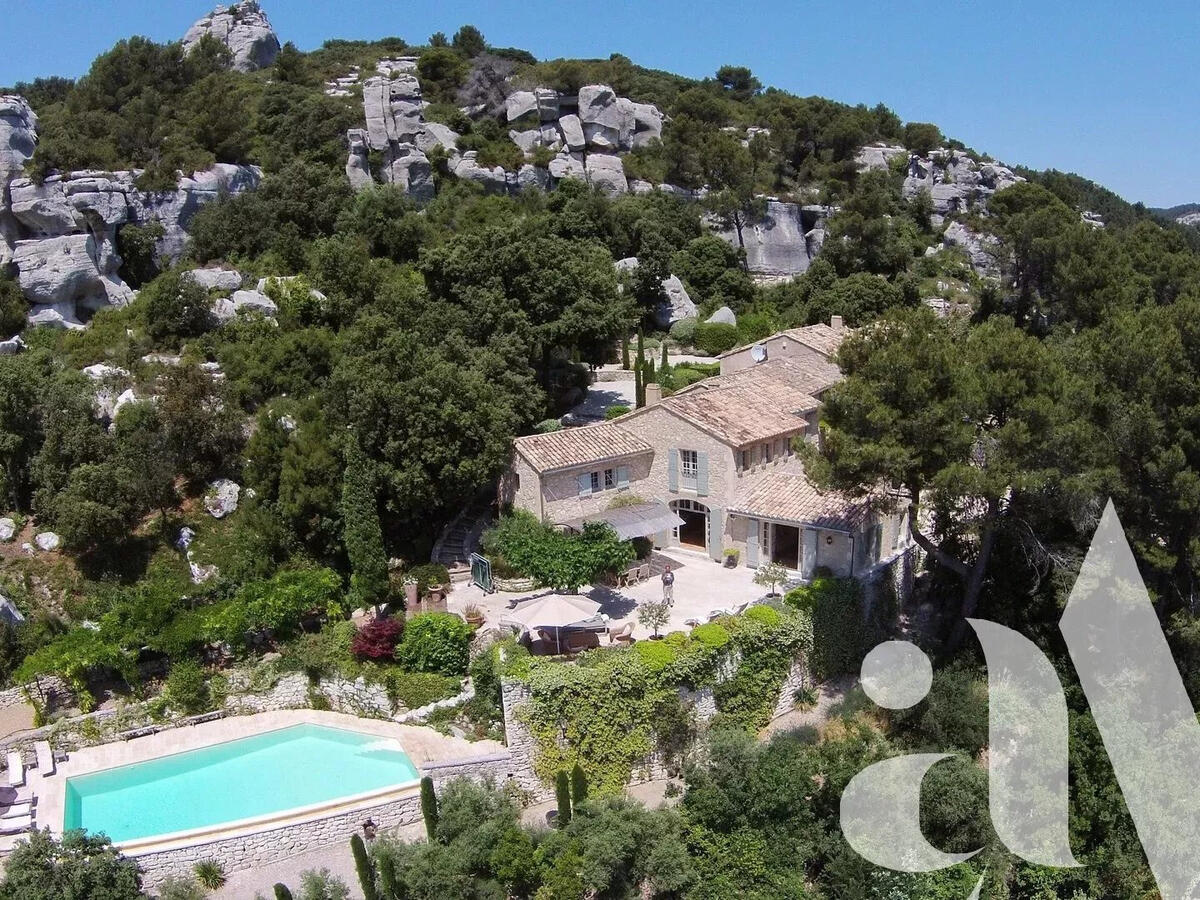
{"x":689,"y":464}
{"x":766,"y":452}
{"x":595,"y":482}
{"x":610,"y":479}
{"x":746,"y":457}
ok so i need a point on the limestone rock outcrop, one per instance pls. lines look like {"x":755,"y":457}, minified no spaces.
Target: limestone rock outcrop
{"x":723,"y":316}
{"x":956,"y":183}
{"x":607,"y":172}
{"x":221,"y":498}
{"x":676,"y":303}
{"x":244,"y":29}
{"x":215,"y":279}
{"x":61,"y":234}
{"x":982,"y":249}
{"x":878,"y":156}
{"x":782,"y":242}
{"x":395,"y":126}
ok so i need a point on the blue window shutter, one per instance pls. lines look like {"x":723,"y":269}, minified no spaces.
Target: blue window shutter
{"x":701,"y":473}
{"x":752,"y":526}
{"x":622,"y":476}
{"x":673,"y":469}
{"x":585,"y":484}
{"x":716,"y":529}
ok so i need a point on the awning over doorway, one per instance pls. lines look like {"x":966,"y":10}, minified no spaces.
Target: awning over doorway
{"x":630,"y":522}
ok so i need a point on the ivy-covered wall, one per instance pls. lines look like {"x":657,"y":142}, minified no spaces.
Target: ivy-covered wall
{"x":626,"y":714}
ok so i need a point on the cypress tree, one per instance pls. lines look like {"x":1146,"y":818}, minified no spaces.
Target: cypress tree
{"x":624,"y":351}
{"x":641,"y":356}
{"x":579,"y":785}
{"x":282,"y":892}
{"x":361,"y":531}
{"x":665,"y":361}
{"x":639,"y":393}
{"x":648,"y":377}
{"x":362,"y":864}
{"x":387,"y":879}
{"x":562,"y":790}
{"x":429,"y":808}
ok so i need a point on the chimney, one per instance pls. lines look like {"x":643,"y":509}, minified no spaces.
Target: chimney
{"x":836,"y":323}
{"x":653,"y":393}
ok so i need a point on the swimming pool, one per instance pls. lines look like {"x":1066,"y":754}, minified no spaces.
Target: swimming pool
{"x":299,"y":766}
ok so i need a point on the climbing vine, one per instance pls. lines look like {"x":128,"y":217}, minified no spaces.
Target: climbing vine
{"x":614,"y":708}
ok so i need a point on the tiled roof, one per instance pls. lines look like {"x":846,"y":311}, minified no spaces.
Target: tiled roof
{"x":825,"y":339}
{"x":792,"y":498}
{"x":577,"y":446}
{"x":807,"y":376}
{"x":742,"y":412}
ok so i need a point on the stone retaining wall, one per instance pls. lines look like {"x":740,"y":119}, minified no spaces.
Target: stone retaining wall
{"x":56,"y":692}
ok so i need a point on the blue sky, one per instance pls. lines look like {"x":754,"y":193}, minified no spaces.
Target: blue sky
{"x":1110,"y":90}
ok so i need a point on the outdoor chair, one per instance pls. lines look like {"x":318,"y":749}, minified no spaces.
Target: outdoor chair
{"x":17,"y":810}
{"x":718,"y":613}
{"x":623,"y":635}
{"x":17,"y":825}
{"x":16,"y":769}
{"x":45,"y":757}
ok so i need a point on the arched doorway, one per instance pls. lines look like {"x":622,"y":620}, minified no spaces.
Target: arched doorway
{"x":694,"y":530}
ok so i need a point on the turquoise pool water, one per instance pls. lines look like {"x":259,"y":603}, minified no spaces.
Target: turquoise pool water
{"x":267,"y":773}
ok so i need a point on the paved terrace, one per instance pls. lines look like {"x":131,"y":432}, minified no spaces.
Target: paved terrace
{"x":701,"y":586}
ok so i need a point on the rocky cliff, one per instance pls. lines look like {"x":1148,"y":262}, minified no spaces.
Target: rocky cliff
{"x":242,"y":28}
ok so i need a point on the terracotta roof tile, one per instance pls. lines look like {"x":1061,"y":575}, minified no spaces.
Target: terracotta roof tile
{"x":742,"y":413}
{"x":579,"y":446}
{"x":793,"y":498}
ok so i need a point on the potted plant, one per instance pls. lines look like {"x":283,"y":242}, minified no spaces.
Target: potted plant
{"x":436,"y":593}
{"x":771,"y":576}
{"x":654,"y":614}
{"x":410,"y":591}
{"x":474,"y":615}
{"x":731,"y":558}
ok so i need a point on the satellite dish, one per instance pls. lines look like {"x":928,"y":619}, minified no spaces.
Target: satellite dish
{"x":758,"y":352}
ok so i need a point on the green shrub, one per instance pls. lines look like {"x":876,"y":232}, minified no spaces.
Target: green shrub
{"x":186,"y":688}
{"x":714,"y":338}
{"x":712,"y":635}
{"x":413,"y":690}
{"x":435,"y":642}
{"x":428,"y":575}
{"x":839,"y":631}
{"x":181,"y":887}
{"x":764,"y":614}
{"x":684,"y":331}
{"x":562,"y":794}
{"x":613,"y":411}
{"x":210,"y":873}
{"x":654,"y":655}
{"x":548,"y":425}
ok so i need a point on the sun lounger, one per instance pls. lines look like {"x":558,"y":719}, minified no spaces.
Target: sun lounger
{"x":16,"y":769}
{"x":17,"y":825}
{"x":16,"y":811}
{"x":623,"y":635}
{"x":45,"y":757}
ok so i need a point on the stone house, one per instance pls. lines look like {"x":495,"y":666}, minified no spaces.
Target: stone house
{"x":715,"y":468}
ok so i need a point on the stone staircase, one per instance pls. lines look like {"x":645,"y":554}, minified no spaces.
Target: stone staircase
{"x":460,"y":539}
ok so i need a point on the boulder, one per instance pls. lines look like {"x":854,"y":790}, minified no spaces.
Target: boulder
{"x":647,"y":123}
{"x":104,"y":372}
{"x":435,"y":134}
{"x":185,"y":538}
{"x":254,"y":300}
{"x":877,"y":156}
{"x":70,"y":269}
{"x":126,"y":397}
{"x":393,"y":110}
{"x":244,"y":29}
{"x":675,"y":305}
{"x":358,"y":166}
{"x":628,"y":264}
{"x":567,"y":165}
{"x":8,"y":529}
{"x":12,"y":346}
{"x":221,"y":499}
{"x":223,"y":309}
{"x":47,"y":540}
{"x":607,"y":119}
{"x":18,"y":135}
{"x":531,"y":177}
{"x":492,"y":180}
{"x":215,"y":279}
{"x":520,"y":103}
{"x":547,"y":103}
{"x":782,"y":242}
{"x":572,"y":132}
{"x":724,"y":316}
{"x":526,"y":140}
{"x":607,"y":172}
{"x":52,"y":317}
{"x":43,"y":208}
{"x":408,"y":168}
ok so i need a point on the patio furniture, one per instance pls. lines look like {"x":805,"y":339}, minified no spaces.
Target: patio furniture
{"x":17,"y":825}
{"x":623,"y":635}
{"x":17,"y":810}
{"x":578,"y":641}
{"x":719,"y":612}
{"x":553,"y":612}
{"x":691,"y":623}
{"x":45,"y":757}
{"x":16,"y":769}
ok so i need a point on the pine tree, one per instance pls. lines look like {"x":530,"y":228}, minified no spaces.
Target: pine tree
{"x":429,"y":808}
{"x":579,"y":785}
{"x":362,"y":864}
{"x":362,"y":532}
{"x":562,"y":791}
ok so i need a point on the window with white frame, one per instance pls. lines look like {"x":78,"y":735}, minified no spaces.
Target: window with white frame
{"x":689,"y":465}
{"x":610,"y":479}
{"x":595,"y":482}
